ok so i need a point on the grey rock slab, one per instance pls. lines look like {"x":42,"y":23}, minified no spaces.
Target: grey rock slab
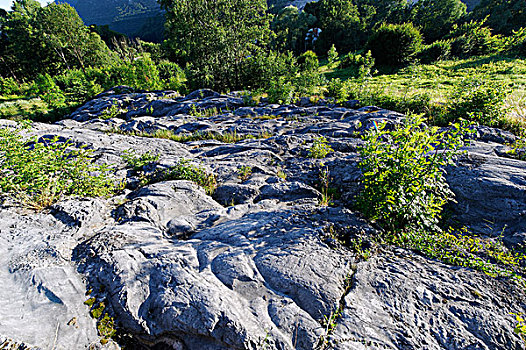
{"x":399,"y":300}
{"x":491,"y":194}
{"x":230,"y":286}
{"x":42,"y":295}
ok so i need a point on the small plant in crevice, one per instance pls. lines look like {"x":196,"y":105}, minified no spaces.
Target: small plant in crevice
{"x":185,"y":170}
{"x":320,"y":148}
{"x":460,"y":248}
{"x":226,"y":137}
{"x":105,"y":323}
{"x":112,"y":112}
{"x":326,"y":197}
{"x":244,"y":172}
{"x":138,"y":161}
{"x":203,"y":113}
{"x":403,"y":181}
{"x":520,"y":328}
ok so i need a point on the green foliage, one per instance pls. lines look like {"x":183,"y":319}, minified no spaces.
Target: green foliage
{"x":459,"y":248}
{"x":472,"y":39}
{"x":338,"y":89}
{"x":503,"y":16}
{"x":48,"y":91}
{"x":47,"y":40}
{"x":9,"y":86}
{"x":184,"y":170}
{"x":291,"y":26}
{"x":215,"y":37}
{"x":76,"y":86}
{"x":136,"y":161}
{"x":37,"y":174}
{"x":520,"y":328}
{"x":320,"y":148}
{"x":341,"y":25}
{"x":436,"y":17}
{"x":172,"y":76}
{"x":479,"y":100}
{"x":332,"y":54}
{"x":394,"y":44}
{"x":308,"y":61}
{"x":403,"y":183}
{"x":360,"y":66}
{"x":244,"y":172}
{"x":281,"y":91}
{"x":437,"y":51}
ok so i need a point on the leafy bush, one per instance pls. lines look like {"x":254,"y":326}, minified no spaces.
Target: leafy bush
{"x":437,"y":51}
{"x":472,"y":39}
{"x":404,"y":185}
{"x":172,"y":76}
{"x":360,"y":65}
{"x":394,"y":44}
{"x":45,"y":87}
{"x":39,"y":173}
{"x":320,"y":148}
{"x":281,"y":91}
{"x":137,"y":161}
{"x":308,"y":61}
{"x":332,"y":54}
{"x":479,"y":100}
{"x":338,"y":89}
{"x":9,"y":86}
{"x":77,"y":87}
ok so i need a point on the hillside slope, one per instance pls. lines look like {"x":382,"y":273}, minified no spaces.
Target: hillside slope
{"x":135,"y":18}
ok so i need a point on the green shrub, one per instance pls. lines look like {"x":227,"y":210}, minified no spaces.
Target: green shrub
{"x":136,"y":161}
{"x":281,"y":91}
{"x":172,"y":76}
{"x":473,"y":39}
{"x":308,"y":61}
{"x":394,"y":44}
{"x":9,"y":86}
{"x":184,"y":170}
{"x":403,"y":181}
{"x":48,"y":91}
{"x":332,"y":54}
{"x":39,"y":173}
{"x":320,"y":148}
{"x":479,"y":100}
{"x":437,"y":51}
{"x":77,"y":87}
{"x":338,"y":89}
{"x":360,"y":65}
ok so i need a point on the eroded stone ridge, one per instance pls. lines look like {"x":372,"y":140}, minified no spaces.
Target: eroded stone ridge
{"x":253,"y":265}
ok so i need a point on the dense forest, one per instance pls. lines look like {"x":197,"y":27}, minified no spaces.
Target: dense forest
{"x":329,"y":49}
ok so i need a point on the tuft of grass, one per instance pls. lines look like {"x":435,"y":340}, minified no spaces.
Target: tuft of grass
{"x":184,"y":170}
{"x":137,"y":161}
{"x":459,"y":248}
{"x":197,"y":136}
{"x":244,"y":172}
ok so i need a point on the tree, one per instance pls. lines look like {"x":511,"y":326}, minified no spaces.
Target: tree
{"x":214,"y":38}
{"x":291,"y":26}
{"x":62,"y":30}
{"x":394,"y":44}
{"x":503,"y":16}
{"x":436,"y":17}
{"x":47,"y":39}
{"x":341,"y":25}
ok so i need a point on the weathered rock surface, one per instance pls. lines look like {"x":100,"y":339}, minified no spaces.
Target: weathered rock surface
{"x":255,"y":264}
